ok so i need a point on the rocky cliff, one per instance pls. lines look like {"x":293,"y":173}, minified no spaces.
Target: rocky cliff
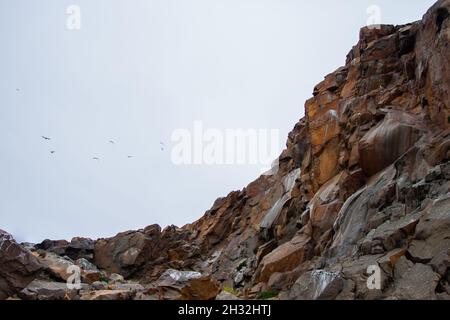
{"x":362,"y":187}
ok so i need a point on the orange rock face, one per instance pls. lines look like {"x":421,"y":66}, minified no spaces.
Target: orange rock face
{"x":368,"y":170}
{"x":284,"y":258}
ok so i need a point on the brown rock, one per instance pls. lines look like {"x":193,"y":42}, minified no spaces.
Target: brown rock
{"x":57,"y":266}
{"x":108,"y":295}
{"x":418,"y":282}
{"x":385,"y":143}
{"x":18,"y":267}
{"x":284,"y":258}
{"x":47,"y":290}
{"x":125,"y":252}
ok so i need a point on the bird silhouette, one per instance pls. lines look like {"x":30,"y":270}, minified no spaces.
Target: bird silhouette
{"x":46,"y":138}
{"x":17,"y":89}
{"x":95,"y":158}
{"x":112,"y":142}
{"x":129,"y":157}
{"x":52,"y":152}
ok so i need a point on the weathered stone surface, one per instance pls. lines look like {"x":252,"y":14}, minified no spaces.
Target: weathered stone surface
{"x":418,"y":282}
{"x":46,"y":290}
{"x":317,"y":285}
{"x":391,"y":234}
{"x":363,"y":182}
{"x":80,"y":248}
{"x":284,"y":258}
{"x":325,"y":205}
{"x":57,"y":266}
{"x":18,"y":267}
{"x":125,"y":252}
{"x":436,"y":219}
{"x":172,"y":277}
{"x":56,"y":246}
{"x":385,"y":143}
{"x":108,"y":295}
{"x":186,"y":285}
{"x":356,"y":213}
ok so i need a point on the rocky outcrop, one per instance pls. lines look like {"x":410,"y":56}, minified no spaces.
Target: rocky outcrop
{"x":363,"y":186}
{"x":18,"y":267}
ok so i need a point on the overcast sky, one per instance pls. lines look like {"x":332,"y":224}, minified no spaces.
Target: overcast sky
{"x":135,"y":72}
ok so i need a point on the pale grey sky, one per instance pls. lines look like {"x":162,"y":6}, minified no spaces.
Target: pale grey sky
{"x":136,"y":71}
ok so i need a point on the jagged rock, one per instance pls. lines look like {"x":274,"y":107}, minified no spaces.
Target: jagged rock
{"x":200,"y":289}
{"x":186,"y":285}
{"x":284,"y":258}
{"x":436,"y":219}
{"x":57,"y":266}
{"x":356,"y":213}
{"x":417,"y":282}
{"x":325,"y":205}
{"x":18,"y":267}
{"x":388,"y":261}
{"x":317,"y":285}
{"x":357,"y":269}
{"x":108,"y":295}
{"x":391,"y":234}
{"x":272,"y":215}
{"x":80,"y":248}
{"x":56,"y":246}
{"x":86,"y":265}
{"x":46,"y":290}
{"x":171,"y":277}
{"x":363,"y":182}
{"x":125,"y":252}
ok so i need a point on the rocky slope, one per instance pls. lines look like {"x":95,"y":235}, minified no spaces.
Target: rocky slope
{"x":363,"y":183}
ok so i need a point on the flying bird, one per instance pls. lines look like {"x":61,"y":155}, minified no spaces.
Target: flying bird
{"x":17,"y":89}
{"x":130,"y":157}
{"x":52,"y":152}
{"x":112,"y":142}
{"x":95,"y":158}
{"x":46,"y":138}
{"x":162,"y":146}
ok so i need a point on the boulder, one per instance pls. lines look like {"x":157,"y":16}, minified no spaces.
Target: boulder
{"x":284,"y":258}
{"x":391,"y":234}
{"x":356,"y":270}
{"x":317,"y":285}
{"x":56,"y":246}
{"x":56,"y":266}
{"x":125,"y":252}
{"x":172,"y":277}
{"x":436,"y":219}
{"x":108,"y":295}
{"x":81,"y":248}
{"x":186,"y":285}
{"x":204,"y":288}
{"x":89,"y":272}
{"x":18,"y":267}
{"x":417,"y":282}
{"x":47,"y":290}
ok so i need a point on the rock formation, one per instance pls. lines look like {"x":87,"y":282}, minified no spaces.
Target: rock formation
{"x":362,"y":185}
